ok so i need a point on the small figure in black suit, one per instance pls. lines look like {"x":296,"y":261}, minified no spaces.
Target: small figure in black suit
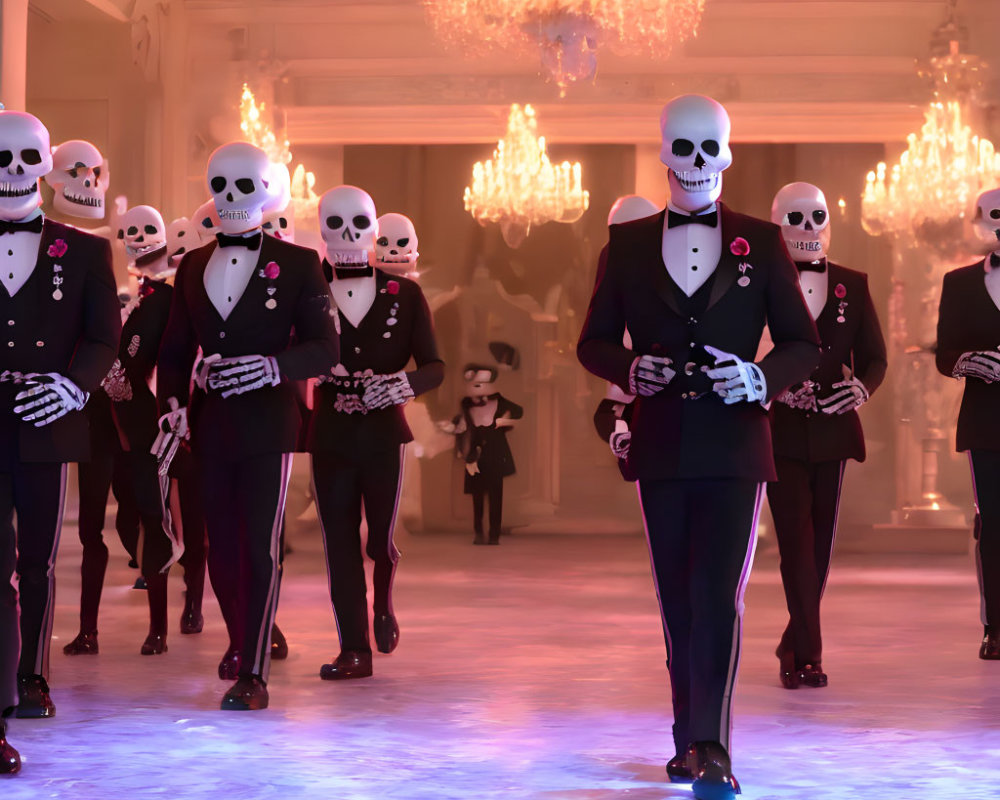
{"x":968,"y":346}
{"x":815,"y":426}
{"x":60,"y":317}
{"x":359,"y":431}
{"x":481,"y":428}
{"x":695,"y":285}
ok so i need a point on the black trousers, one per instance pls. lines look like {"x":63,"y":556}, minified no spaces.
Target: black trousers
{"x":35,"y":492}
{"x":244,"y":505}
{"x":985,"y":477}
{"x":184,"y":469}
{"x":492,"y":488}
{"x":701,"y":536}
{"x":804,"y":503}
{"x":340,"y":486}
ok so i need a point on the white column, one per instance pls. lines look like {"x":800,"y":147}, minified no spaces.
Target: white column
{"x":13,"y":53}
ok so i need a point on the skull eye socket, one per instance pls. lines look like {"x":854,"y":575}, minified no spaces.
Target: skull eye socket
{"x":403,"y":242}
{"x":150,"y":229}
{"x":97,"y":172}
{"x":282,"y":222}
{"x":31,"y":156}
{"x":795,"y":217}
{"x":207,"y":223}
{"x":132,"y":230}
{"x":682,"y":147}
{"x":334,"y":222}
{"x":711,"y":147}
{"x":218,"y":183}
{"x":994,"y":212}
{"x":6,"y":157}
{"x":819,"y":216}
{"x":361,"y":222}
{"x":73,"y":172}
{"x":179,"y":234}
{"x":382,"y":241}
{"x":245,"y":185}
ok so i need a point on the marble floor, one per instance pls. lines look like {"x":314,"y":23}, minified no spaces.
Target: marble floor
{"x":530,"y":670}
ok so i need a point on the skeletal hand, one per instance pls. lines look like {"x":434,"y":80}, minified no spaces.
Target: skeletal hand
{"x":504,"y":422}
{"x":472,"y":468}
{"x":620,"y":443}
{"x":48,"y":397}
{"x":173,"y":427}
{"x":201,"y":369}
{"x":242,"y":374}
{"x":649,"y":375}
{"x":803,"y":398}
{"x":735,"y":379}
{"x":982,"y":364}
{"x":382,"y":391}
{"x":848,"y":395}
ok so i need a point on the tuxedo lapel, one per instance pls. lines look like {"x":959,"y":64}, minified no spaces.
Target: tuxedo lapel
{"x":728,"y":269}
{"x":651,"y":243}
{"x":250,"y":306}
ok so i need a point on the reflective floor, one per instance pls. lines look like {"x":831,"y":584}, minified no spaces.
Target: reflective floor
{"x":530,"y":670}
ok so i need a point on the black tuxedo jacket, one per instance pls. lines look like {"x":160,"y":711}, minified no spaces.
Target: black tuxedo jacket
{"x":857,"y":343}
{"x":133,"y":404}
{"x":487,"y":445}
{"x":969,"y":320}
{"x":265,"y":420}
{"x":381,"y":347}
{"x":76,"y":336}
{"x":675,"y":435}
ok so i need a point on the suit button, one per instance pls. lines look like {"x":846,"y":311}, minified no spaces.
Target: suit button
{"x":10,"y":344}
{"x":10,"y":322}
{"x":39,"y":343}
{"x":222,"y":334}
{"x":692,"y":344}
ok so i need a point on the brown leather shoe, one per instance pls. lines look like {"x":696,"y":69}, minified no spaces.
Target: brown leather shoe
{"x":192,"y":620}
{"x":990,"y":649}
{"x":349,"y":664}
{"x":85,"y":644}
{"x":33,"y":701}
{"x":229,"y":667}
{"x":155,"y":644}
{"x":249,"y":693}
{"x":10,"y":759}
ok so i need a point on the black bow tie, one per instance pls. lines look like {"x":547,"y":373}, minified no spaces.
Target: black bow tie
{"x":343,"y":273}
{"x":994,"y":260}
{"x":811,"y":266}
{"x":32,"y":225}
{"x":249,"y":242}
{"x":674,"y":219}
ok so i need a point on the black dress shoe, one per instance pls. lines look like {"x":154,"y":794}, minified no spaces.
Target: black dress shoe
{"x":140,"y":583}
{"x":813,"y":675}
{"x":229,"y":667}
{"x":10,"y":759}
{"x":787,"y":673}
{"x":386,"y":632}
{"x":990,"y":649}
{"x":279,"y":647}
{"x":349,"y":664}
{"x":85,"y":644}
{"x":712,"y":770}
{"x":192,"y":621}
{"x":479,"y":539}
{"x":155,"y":644}
{"x":249,"y":693}
{"x":33,"y":701}
{"x":678,"y":770}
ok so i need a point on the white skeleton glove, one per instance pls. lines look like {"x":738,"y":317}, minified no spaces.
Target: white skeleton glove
{"x":649,"y":375}
{"x":620,"y":443}
{"x":242,"y":374}
{"x":803,"y":398}
{"x":982,"y":364}
{"x":382,"y":391}
{"x":173,"y":428}
{"x":48,"y":397}
{"x":735,"y":379}
{"x":848,"y":395}
{"x":201,"y":369}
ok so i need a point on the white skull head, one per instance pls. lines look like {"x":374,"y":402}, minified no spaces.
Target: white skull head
{"x":142,"y":230}
{"x":396,"y":245}
{"x":206,"y":221}
{"x":695,"y":135}
{"x":244,"y":185}
{"x":801,"y":211}
{"x":79,"y":179}
{"x":182,"y":235}
{"x":629,"y":207}
{"x":24,"y":158}
{"x":347,"y":222}
{"x":987,"y":218}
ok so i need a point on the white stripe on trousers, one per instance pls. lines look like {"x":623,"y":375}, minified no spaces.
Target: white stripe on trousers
{"x":979,"y":544}
{"x":726,"y":721}
{"x":390,"y":544}
{"x":833,"y":534}
{"x":656,"y":582}
{"x":262,"y":654}
{"x":45,"y":636}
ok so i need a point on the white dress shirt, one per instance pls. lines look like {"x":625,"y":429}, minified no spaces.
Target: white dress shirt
{"x":815,"y":288}
{"x":691,"y":252}
{"x":18,"y":256}
{"x":354,"y":297}
{"x":993,"y":281}
{"x":227,"y":274}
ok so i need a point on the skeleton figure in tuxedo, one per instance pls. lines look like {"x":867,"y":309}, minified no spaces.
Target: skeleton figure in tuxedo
{"x":240,"y":299}
{"x":968,"y":348}
{"x":358,"y":431}
{"x":60,"y":317}
{"x":815,"y":426}
{"x":694,"y":285}
{"x":123,"y":422}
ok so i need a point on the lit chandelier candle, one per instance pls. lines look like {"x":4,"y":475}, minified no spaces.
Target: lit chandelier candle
{"x":519,"y":187}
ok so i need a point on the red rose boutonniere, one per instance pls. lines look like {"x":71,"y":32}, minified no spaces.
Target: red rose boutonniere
{"x":58,"y":248}
{"x":741,"y":247}
{"x":392,"y":287}
{"x":271,"y":271}
{"x":840,"y":291}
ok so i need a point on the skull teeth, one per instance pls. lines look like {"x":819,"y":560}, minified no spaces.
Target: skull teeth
{"x":807,"y":246}
{"x":697,"y":181}
{"x":350,"y":258}
{"x":93,"y":202}
{"x":399,"y":259}
{"x":13,"y":190}
{"x":237,"y":213}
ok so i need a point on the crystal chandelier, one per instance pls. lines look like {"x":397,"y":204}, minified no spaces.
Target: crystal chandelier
{"x":258,"y":131}
{"x":567,"y":32}
{"x":927,"y":195}
{"x":519,"y":187}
